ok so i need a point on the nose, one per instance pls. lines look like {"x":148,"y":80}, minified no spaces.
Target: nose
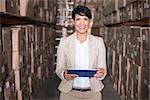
{"x":81,"y":22}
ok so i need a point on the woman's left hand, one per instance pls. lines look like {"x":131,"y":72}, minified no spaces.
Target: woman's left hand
{"x":100,"y":73}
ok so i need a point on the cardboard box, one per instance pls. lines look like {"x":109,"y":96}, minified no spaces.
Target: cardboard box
{"x":134,"y":79}
{"x":6,"y":39}
{"x":18,"y":39}
{"x":21,"y":78}
{"x":145,"y":83}
{"x":124,"y":69}
{"x":8,"y":58}
{"x":145,"y":47}
{"x":129,"y":12}
{"x":121,"y":3}
{"x":3,"y":72}
{"x":9,"y":6}
{"x":26,"y":8}
{"x":140,"y":10}
{"x":146,"y":9}
{"x":17,"y":60}
{"x":122,"y":14}
{"x":24,"y":94}
{"x":9,"y":89}
{"x":114,"y":17}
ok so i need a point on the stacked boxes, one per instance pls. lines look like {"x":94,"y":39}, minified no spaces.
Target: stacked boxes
{"x":36,"y":9}
{"x":63,"y":21}
{"x":64,"y":10}
{"x":131,"y":10}
{"x":5,"y":53}
{"x":26,"y":58}
{"x":19,"y":66}
{"x":129,"y":61}
{"x":26,"y":8}
{"x":128,"y":47}
{"x":121,"y":3}
{"x":9,"y":88}
{"x":126,"y":35}
{"x":97,"y":15}
{"x":145,"y":32}
{"x":26,"y":51}
{"x":9,"y":6}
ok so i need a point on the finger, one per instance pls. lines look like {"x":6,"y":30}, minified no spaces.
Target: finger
{"x":71,"y":76}
{"x":101,"y":71}
{"x":99,"y":75}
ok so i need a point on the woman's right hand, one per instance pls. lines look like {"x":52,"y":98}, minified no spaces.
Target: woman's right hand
{"x":69,"y":76}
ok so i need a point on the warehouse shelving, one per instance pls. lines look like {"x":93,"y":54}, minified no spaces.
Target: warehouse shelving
{"x":126,"y":32}
{"x":26,"y":46}
{"x":64,"y":21}
{"x":9,"y":19}
{"x":143,"y":22}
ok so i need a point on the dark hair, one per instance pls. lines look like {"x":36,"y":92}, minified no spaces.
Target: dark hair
{"x":81,"y":10}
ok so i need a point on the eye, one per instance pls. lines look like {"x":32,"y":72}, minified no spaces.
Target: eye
{"x":85,"y":18}
{"x":78,"y":19}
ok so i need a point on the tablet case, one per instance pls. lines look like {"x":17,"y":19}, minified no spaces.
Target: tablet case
{"x":82,"y":73}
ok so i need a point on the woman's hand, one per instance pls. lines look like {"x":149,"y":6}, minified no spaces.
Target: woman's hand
{"x":69,"y":76}
{"x":100,"y":73}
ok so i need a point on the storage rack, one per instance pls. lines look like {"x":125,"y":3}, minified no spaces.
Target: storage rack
{"x":64,"y":21}
{"x":26,"y":46}
{"x":126,"y":31}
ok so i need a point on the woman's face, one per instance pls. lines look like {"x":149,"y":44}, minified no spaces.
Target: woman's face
{"x":81,"y":24}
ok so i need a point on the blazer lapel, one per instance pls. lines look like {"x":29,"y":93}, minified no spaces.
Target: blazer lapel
{"x":72,"y":51}
{"x":91,"y":51}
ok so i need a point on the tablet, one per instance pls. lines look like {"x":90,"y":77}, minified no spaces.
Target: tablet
{"x":82,"y":73}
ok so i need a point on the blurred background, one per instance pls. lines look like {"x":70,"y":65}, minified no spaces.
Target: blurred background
{"x":30,"y":31}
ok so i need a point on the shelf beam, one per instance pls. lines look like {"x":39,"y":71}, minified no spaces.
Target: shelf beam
{"x":143,"y":22}
{"x":8,"y":20}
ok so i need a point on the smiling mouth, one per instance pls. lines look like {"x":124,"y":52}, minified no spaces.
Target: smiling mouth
{"x":82,"y":27}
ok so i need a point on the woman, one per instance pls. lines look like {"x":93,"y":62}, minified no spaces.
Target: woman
{"x":81,"y":50}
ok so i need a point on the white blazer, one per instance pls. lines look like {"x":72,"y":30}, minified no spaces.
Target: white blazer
{"x":66,"y":59}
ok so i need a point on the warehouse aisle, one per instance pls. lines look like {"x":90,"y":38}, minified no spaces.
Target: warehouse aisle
{"x":49,"y":90}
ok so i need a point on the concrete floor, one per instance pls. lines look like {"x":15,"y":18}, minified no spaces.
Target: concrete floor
{"x":49,"y":90}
